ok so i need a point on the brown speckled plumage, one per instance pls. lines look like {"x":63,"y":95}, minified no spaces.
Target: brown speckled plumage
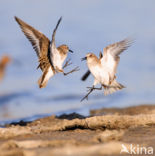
{"x":40,"y":44}
{"x":48,"y":54}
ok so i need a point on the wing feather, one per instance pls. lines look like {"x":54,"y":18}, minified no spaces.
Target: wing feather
{"x":53,"y":45}
{"x":54,"y":53}
{"x":111,"y":57}
{"x":38,"y":40}
{"x":85,"y":76}
{"x":117,"y":48}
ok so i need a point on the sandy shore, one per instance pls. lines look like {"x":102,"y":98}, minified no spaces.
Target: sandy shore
{"x":103,"y":133}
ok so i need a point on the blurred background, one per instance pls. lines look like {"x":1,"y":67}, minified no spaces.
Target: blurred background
{"x":87,"y":26}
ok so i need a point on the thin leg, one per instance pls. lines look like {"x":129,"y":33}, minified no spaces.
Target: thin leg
{"x":62,"y":71}
{"x":89,"y":91}
{"x":86,"y":96}
{"x":95,"y":88}
{"x":68,"y":62}
{"x":73,"y":70}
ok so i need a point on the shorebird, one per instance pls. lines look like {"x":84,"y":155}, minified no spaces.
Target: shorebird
{"x":51,"y":58}
{"x":104,"y":68}
{"x":3,"y":63}
{"x":85,"y":76}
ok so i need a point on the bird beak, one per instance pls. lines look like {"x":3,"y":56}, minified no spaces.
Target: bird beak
{"x":84,"y":58}
{"x":70,"y":51}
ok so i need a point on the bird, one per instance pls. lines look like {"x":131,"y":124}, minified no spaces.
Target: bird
{"x":50,"y":57}
{"x":85,"y":76}
{"x":3,"y":63}
{"x":104,"y":68}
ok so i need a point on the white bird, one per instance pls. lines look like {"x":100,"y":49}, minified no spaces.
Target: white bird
{"x":51,"y":58}
{"x":104,"y":68}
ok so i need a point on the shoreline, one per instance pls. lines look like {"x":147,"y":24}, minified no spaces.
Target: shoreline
{"x":74,"y":134}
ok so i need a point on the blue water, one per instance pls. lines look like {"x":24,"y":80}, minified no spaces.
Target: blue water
{"x":87,"y":26}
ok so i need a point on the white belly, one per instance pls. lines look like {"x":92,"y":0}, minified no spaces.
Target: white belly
{"x":58,"y":61}
{"x":100,"y":74}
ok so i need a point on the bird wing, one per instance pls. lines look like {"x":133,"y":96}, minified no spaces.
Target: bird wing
{"x":111,"y":54}
{"x":85,"y":76}
{"x":117,"y":48}
{"x":54,"y":53}
{"x":38,"y":40}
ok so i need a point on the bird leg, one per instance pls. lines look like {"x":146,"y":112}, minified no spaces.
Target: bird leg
{"x":67,"y":63}
{"x":62,"y":71}
{"x":89,"y":91}
{"x":94,"y":88}
{"x":86,"y":96}
{"x":73,"y":70}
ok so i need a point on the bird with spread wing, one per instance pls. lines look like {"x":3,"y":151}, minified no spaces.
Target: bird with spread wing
{"x":104,"y":68}
{"x":51,"y":58}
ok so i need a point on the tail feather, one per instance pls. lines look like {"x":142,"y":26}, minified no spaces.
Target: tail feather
{"x":47,"y":74}
{"x":115,"y":86}
{"x":42,"y":82}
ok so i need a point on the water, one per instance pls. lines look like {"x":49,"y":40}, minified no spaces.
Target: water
{"x":87,"y":26}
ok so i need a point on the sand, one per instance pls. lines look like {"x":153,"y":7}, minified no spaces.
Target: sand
{"x":102,"y":133}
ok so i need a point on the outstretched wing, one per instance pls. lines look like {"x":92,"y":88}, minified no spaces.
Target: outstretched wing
{"x":85,"y":76}
{"x":54,"y":53}
{"x":38,"y":40}
{"x":117,"y":48}
{"x":53,"y":45}
{"x":111,"y":54}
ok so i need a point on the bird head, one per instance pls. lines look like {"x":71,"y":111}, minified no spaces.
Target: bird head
{"x":65,"y":49}
{"x":89,"y":56}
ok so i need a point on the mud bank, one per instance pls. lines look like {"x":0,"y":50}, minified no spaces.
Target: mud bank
{"x":103,"y":133}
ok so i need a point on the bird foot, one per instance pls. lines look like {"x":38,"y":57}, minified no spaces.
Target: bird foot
{"x":68,"y":63}
{"x":89,"y":88}
{"x":89,"y":91}
{"x":74,"y":70}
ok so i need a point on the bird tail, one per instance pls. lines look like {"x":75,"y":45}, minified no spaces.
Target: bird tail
{"x":42,"y":82}
{"x":47,"y":74}
{"x":113,"y":87}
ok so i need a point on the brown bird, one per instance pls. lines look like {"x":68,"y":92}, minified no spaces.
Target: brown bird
{"x":3,"y":63}
{"x":104,"y":68}
{"x":42,"y":46}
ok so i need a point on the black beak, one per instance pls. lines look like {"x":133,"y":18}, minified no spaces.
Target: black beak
{"x":84,"y":58}
{"x":70,"y":51}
